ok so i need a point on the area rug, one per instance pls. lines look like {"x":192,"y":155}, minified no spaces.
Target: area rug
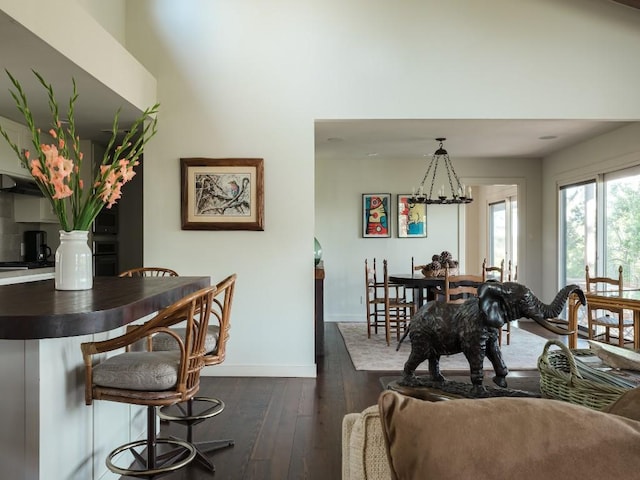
{"x":374,"y":354}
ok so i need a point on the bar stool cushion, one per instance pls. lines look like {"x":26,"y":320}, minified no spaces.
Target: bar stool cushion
{"x":144,"y":371}
{"x":167,"y":342}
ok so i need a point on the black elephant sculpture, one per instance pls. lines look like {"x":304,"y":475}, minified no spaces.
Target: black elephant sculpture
{"x":472,"y":327}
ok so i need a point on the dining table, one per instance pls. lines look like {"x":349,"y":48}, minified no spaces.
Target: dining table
{"x":424,"y":288}
{"x":629,"y":300}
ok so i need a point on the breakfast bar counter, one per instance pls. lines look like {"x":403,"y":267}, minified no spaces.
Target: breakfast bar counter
{"x":36,"y":310}
{"x":47,"y":431}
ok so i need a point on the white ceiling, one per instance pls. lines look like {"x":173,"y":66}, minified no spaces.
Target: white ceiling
{"x":21,"y":51}
{"x":410,"y":139}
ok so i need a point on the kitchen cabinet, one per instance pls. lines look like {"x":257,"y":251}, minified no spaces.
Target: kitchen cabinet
{"x":9,"y":162}
{"x":27,"y":208}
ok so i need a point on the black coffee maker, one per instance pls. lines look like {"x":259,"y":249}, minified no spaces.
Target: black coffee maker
{"x":35,"y":246}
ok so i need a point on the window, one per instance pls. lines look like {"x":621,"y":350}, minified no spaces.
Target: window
{"x":513,"y":252}
{"x":600,"y":227}
{"x":577,"y":232}
{"x":498,"y":232}
{"x":622,"y":226}
{"x":503,"y":232}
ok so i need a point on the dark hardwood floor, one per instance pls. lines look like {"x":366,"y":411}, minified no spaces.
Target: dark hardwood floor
{"x":288,"y":428}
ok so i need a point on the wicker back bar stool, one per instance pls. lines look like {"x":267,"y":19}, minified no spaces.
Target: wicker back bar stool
{"x":200,"y":408}
{"x":149,"y":272}
{"x":154,"y":379}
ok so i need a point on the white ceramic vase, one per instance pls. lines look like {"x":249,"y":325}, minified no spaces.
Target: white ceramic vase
{"x":74,"y":268}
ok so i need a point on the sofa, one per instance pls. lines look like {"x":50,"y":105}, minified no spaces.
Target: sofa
{"x":495,"y":438}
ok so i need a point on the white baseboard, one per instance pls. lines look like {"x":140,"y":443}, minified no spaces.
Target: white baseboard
{"x":339,"y":317}
{"x":294,"y":371}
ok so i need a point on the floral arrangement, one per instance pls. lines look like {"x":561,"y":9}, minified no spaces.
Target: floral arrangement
{"x":56,"y":167}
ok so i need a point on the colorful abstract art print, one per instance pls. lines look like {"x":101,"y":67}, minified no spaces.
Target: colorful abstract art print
{"x":376,"y":210}
{"x":412,"y":218}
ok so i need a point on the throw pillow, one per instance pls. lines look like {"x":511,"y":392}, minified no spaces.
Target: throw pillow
{"x":627,"y":405}
{"x":523,"y":438}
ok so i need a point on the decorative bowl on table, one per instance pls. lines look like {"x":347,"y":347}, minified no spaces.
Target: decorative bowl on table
{"x":438,"y":265}
{"x":439,"y":272}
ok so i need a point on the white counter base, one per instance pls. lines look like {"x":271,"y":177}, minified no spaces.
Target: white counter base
{"x":46,"y":426}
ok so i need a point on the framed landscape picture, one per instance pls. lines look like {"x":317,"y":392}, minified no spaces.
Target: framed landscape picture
{"x":222,"y":193}
{"x":412,"y":218}
{"x":376,"y":220}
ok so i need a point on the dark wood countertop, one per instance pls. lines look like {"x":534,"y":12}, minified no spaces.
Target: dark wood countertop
{"x":37,"y":310}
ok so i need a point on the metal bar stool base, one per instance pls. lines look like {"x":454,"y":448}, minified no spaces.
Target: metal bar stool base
{"x":179,"y":454}
{"x":191,"y":413}
{"x":208,"y":448}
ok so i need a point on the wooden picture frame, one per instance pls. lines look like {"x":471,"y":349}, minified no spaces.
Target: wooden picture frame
{"x":412,"y":218}
{"x":222,"y":193}
{"x":376,"y":215}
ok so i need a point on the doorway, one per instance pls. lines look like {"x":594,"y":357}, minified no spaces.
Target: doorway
{"x":491,"y":227}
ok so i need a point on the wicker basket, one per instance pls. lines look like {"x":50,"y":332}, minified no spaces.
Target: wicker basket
{"x":438,"y":273}
{"x":560,"y":379}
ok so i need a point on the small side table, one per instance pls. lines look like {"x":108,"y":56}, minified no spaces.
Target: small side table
{"x":319,"y":310}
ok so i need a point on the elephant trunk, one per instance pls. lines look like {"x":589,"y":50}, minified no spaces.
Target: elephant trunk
{"x":539,"y":311}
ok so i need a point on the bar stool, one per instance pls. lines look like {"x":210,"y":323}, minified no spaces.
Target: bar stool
{"x":199,"y":408}
{"x":149,"y":272}
{"x":153,"y":379}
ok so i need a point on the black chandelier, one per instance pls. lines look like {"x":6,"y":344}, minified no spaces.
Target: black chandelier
{"x":459,"y":193}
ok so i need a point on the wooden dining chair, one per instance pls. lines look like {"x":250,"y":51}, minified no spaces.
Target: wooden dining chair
{"x":495,"y":272}
{"x":374,"y":298}
{"x":459,"y":288}
{"x":418,"y":294}
{"x":512,"y":272}
{"x":609,"y":318}
{"x":397,"y":309}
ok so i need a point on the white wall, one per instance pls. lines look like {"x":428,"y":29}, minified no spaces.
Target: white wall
{"x":110,"y":15}
{"x":248,"y":78}
{"x":81,"y":39}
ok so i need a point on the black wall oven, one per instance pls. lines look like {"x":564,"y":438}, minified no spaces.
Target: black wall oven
{"x":105,"y":257}
{"x":106,"y":222}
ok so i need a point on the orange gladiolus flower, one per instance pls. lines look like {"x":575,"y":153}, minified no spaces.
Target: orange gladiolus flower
{"x":57,"y":166}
